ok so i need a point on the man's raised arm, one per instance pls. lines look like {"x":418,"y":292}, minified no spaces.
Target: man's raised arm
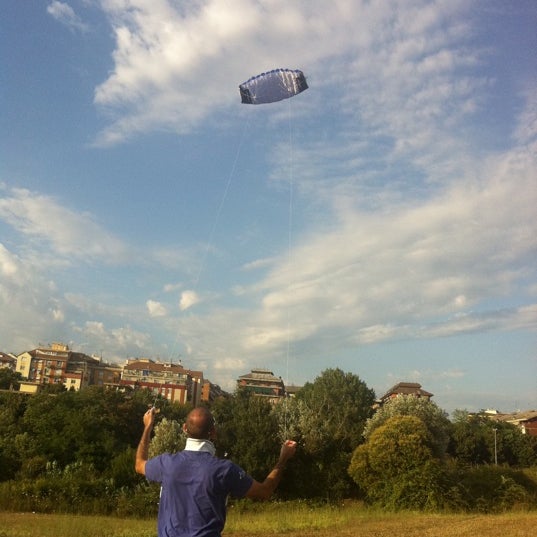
{"x":142,"y":453}
{"x":264,"y":490}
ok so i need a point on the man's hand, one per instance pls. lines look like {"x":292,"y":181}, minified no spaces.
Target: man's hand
{"x":149,"y":418}
{"x":287,"y":451}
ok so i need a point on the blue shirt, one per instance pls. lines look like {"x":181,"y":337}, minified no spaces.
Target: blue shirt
{"x":195,"y":487}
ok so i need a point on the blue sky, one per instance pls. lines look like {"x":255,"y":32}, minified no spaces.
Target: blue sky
{"x":383,"y":221}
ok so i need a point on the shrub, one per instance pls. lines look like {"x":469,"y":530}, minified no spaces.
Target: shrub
{"x":396,"y":468}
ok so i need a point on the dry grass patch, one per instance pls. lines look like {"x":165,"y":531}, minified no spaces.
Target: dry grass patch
{"x":291,"y":521}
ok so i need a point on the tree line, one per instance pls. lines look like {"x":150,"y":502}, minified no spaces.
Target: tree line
{"x":66,"y":451}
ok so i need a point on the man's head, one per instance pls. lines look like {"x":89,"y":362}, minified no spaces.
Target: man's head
{"x":200,"y":424}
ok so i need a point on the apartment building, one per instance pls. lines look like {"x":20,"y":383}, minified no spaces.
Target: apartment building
{"x":263,"y":383}
{"x":168,"y":380}
{"x":58,"y":364}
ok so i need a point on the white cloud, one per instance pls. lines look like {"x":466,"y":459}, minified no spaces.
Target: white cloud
{"x":119,"y":342}
{"x":171,"y":287}
{"x":29,"y":301}
{"x":9,"y":264}
{"x":156,"y":309}
{"x":230,"y":364}
{"x":419,"y":269}
{"x":188,"y":299}
{"x":58,"y":230}
{"x":166,"y":53}
{"x":65,"y":14}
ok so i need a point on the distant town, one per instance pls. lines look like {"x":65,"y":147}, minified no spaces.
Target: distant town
{"x":57,"y":364}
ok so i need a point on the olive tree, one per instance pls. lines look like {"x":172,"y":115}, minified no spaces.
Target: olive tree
{"x":168,"y":438}
{"x":327,"y":418}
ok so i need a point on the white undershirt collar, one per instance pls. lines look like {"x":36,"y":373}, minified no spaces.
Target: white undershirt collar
{"x":193,"y":444}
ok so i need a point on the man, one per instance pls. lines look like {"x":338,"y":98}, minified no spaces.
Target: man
{"x":195,"y":483}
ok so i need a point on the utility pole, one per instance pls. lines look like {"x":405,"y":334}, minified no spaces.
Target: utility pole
{"x":495,"y":447}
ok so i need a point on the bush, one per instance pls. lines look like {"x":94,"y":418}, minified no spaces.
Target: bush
{"x":490,"y":489}
{"x":396,"y":468}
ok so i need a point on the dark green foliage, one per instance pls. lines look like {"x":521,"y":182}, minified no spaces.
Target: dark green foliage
{"x":327,"y":417}
{"x":247,"y":432}
{"x":12,"y":409}
{"x":478,"y":439}
{"x":74,"y":451}
{"x":400,"y":466}
{"x":121,"y":470}
{"x":490,"y":489}
{"x":9,"y":380}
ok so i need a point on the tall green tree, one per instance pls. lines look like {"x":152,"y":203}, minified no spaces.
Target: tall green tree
{"x":247,"y":432}
{"x":327,"y":417}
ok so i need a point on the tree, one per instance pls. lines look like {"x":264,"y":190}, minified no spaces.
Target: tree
{"x":168,"y":438}
{"x":9,"y":380}
{"x":334,"y":408}
{"x":434,"y":418}
{"x":396,"y":467}
{"x":12,"y":408}
{"x":327,"y":417}
{"x":477,"y":439}
{"x":468,"y":443}
{"x":247,"y":432}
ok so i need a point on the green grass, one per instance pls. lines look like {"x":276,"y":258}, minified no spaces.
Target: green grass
{"x":295,"y":519}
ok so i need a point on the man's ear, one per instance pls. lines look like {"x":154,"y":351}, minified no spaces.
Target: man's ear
{"x":185,"y":430}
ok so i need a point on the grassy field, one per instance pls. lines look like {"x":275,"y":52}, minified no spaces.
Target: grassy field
{"x":292,"y":521}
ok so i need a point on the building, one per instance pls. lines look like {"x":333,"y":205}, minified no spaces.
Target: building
{"x":168,"y":380}
{"x":404,"y":388}
{"x":44,"y":365}
{"x":106,"y":375}
{"x":58,"y":364}
{"x":526,"y":421}
{"x":197,"y":382}
{"x":263,"y":383}
{"x":8,"y":361}
{"x":210,"y":392}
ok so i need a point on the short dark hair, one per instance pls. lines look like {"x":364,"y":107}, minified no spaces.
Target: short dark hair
{"x":199,"y":423}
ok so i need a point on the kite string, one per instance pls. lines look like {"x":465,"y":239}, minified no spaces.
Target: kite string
{"x":217,"y":216}
{"x":222,"y":203}
{"x":289,"y":256}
